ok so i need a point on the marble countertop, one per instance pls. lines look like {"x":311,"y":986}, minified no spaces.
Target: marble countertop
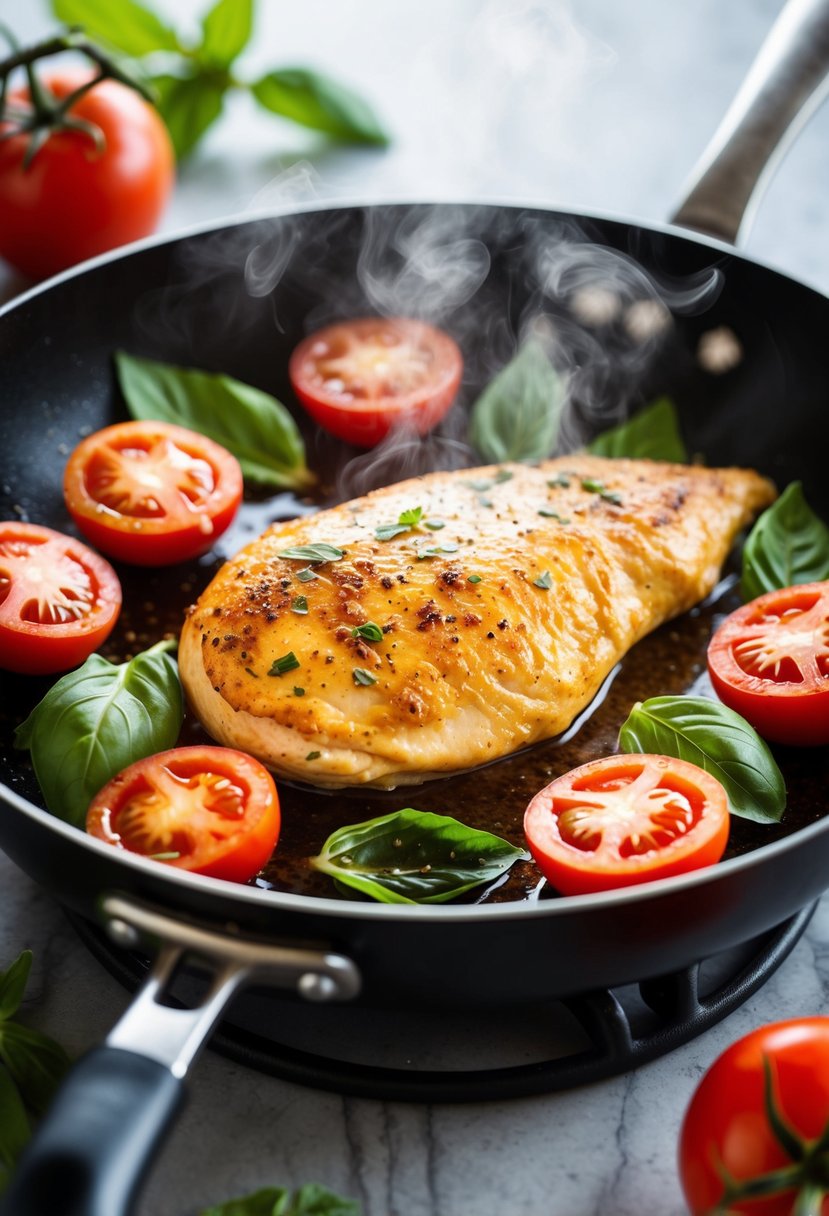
{"x":603,"y":107}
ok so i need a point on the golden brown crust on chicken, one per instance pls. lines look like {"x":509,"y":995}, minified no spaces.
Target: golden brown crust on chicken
{"x":497,"y":627}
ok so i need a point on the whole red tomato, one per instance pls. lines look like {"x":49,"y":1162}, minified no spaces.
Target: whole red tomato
{"x":756,"y":1134}
{"x":75,"y":200}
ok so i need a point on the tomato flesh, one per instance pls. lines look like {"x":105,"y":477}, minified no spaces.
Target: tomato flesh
{"x":626,"y":819}
{"x":727,"y":1127}
{"x":59,"y":601}
{"x":151,"y":493}
{"x":209,"y":810}
{"x":73,"y":200}
{"x":360,"y":379}
{"x":769,"y":661}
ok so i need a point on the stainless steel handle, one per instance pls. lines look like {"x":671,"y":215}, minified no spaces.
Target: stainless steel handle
{"x":786,"y":83}
{"x":173,"y":1036}
{"x":90,"y":1155}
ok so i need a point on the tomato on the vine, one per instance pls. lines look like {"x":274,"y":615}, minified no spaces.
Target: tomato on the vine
{"x":74,"y":198}
{"x":210,"y":810}
{"x":626,"y":819}
{"x":359,"y":379}
{"x":769,"y":661}
{"x":59,"y":601}
{"x":755,"y":1138}
{"x":151,"y":493}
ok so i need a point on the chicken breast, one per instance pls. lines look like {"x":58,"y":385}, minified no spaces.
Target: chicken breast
{"x":448,"y":620}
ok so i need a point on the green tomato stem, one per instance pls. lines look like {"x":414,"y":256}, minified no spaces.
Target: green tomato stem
{"x":47,"y":113}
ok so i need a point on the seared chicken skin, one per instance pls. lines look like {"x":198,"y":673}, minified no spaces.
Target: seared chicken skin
{"x":451,"y":619}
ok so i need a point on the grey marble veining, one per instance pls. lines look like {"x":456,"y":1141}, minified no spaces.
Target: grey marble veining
{"x":597,"y":105}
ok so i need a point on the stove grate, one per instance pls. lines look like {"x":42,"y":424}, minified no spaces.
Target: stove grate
{"x":579,"y":1040}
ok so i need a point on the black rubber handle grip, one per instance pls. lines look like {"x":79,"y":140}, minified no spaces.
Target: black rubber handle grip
{"x":89,"y":1155}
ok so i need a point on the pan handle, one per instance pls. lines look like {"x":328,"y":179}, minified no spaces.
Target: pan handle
{"x":786,"y":83}
{"x":102,"y":1129}
{"x":91,"y":1153}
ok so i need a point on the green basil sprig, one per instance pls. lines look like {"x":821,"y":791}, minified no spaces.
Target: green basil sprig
{"x":192,"y":77}
{"x":32,"y":1066}
{"x":788,"y":544}
{"x":652,"y":434}
{"x":716,"y":739}
{"x":517,"y":415}
{"x":309,"y":1200}
{"x":414,"y":857}
{"x":98,"y":719}
{"x":251,"y":424}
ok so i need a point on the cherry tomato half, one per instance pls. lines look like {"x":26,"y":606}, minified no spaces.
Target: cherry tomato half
{"x":58,"y":600}
{"x":210,"y":810}
{"x":359,"y":379}
{"x":151,"y":493}
{"x":75,"y":200}
{"x":769,"y":661}
{"x":626,"y":819}
{"x":729,"y":1127}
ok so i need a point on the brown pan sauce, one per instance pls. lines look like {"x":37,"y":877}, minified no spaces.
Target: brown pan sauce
{"x":670,"y":661}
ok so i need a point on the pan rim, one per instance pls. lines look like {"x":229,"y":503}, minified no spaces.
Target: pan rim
{"x":286,"y":901}
{"x":254,"y":216}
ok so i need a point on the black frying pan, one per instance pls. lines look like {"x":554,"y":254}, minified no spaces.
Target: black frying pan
{"x":237,"y":299}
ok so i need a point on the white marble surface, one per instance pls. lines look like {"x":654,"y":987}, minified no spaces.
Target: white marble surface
{"x":603,"y":106}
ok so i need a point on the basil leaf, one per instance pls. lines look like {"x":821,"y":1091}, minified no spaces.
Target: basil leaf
{"x":267,"y":1202}
{"x":517,"y":415}
{"x":316,"y":101}
{"x":314,"y":1200}
{"x":370,"y":632}
{"x":788,"y":544}
{"x":716,"y":739}
{"x":127,"y":25}
{"x":251,"y":424}
{"x":321,"y":552}
{"x":414,"y":857}
{"x":363,"y":678}
{"x":652,"y":434}
{"x":98,"y":719}
{"x":37,"y":1063}
{"x":189,"y":104}
{"x":13,"y":985}
{"x":309,"y":1200}
{"x":436,"y":550}
{"x":14,"y":1124}
{"x":226,"y":31}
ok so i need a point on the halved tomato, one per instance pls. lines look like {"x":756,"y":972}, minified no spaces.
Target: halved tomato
{"x":359,"y":379}
{"x":58,"y":600}
{"x":151,"y":493}
{"x":626,"y":819}
{"x":769,"y":661}
{"x":210,"y":810}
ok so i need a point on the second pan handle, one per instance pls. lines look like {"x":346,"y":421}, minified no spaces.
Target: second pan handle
{"x":786,"y":83}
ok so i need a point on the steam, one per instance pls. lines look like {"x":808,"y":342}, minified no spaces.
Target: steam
{"x":426,"y":267}
{"x":491,"y":275}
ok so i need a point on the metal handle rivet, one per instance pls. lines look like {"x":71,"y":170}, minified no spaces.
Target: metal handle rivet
{"x":122,"y":933}
{"x":316,"y":987}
